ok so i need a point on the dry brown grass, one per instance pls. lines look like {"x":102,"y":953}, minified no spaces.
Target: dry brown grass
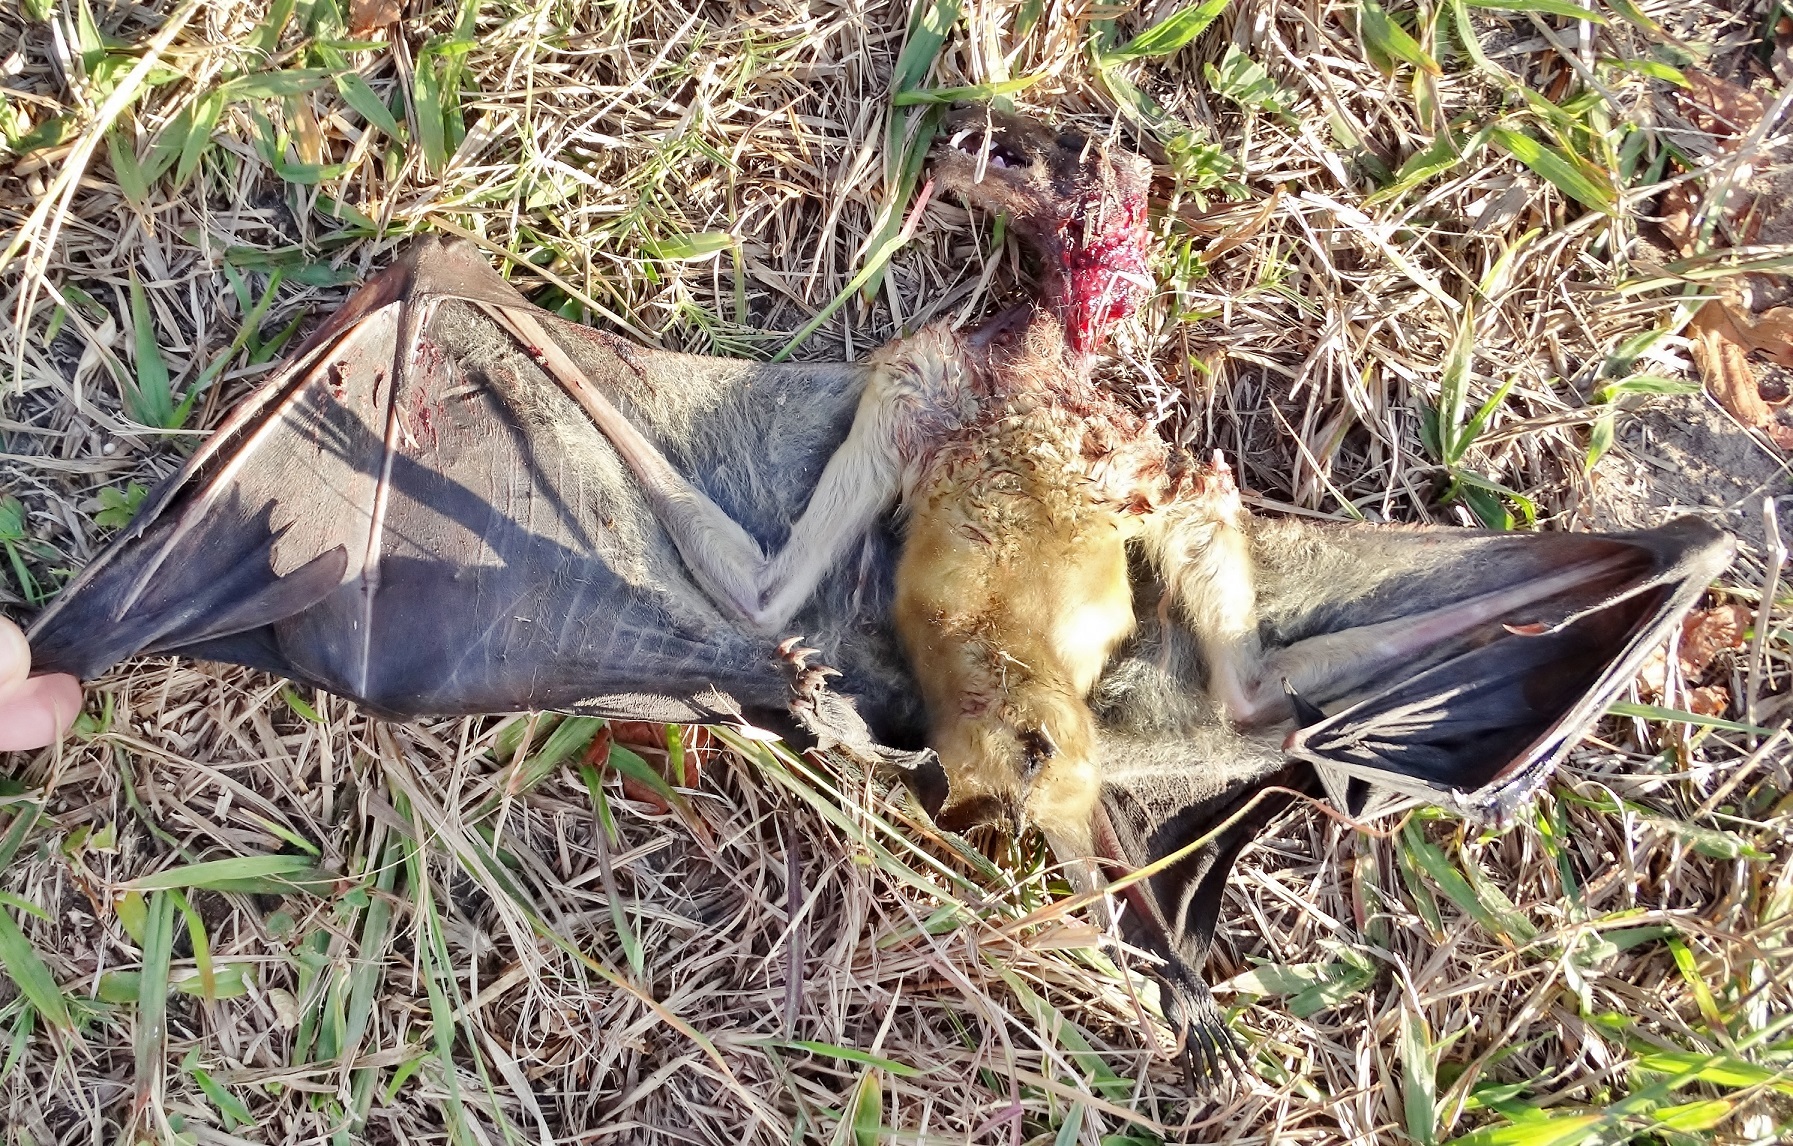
{"x":1617,"y":967}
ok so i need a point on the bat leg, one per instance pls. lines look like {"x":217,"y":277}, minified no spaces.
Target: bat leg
{"x":861,"y":481}
{"x":1203,"y":554}
{"x":1202,"y":802}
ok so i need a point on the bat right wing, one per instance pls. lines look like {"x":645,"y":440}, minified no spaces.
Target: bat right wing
{"x":1506,"y":648}
{"x":414,"y":514}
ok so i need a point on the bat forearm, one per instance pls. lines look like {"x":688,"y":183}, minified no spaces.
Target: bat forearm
{"x":862,"y":480}
{"x":1335,"y":664}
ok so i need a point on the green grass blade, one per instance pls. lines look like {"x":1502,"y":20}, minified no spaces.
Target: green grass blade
{"x":366,"y":103}
{"x":1072,"y":1127}
{"x":125,"y":168}
{"x":376,"y":933}
{"x":150,"y":1031}
{"x":620,"y":919}
{"x":1386,"y":41}
{"x":266,"y":875}
{"x":199,"y":127}
{"x":1565,"y":8}
{"x":150,"y":401}
{"x":1720,"y":1070}
{"x":202,"y":948}
{"x":865,"y":1113}
{"x":845,"y":1054}
{"x":1493,"y":911}
{"x":1557,"y":167}
{"x":892,"y":239}
{"x":1453,"y":390}
{"x":1545,"y":1130}
{"x":1171,"y":34}
{"x":1419,"y":1076}
{"x":688,"y":248}
{"x":980,"y":93}
{"x":1677,"y":716}
{"x":433,"y":966}
{"x":1445,"y":153}
{"x":31,"y":975}
{"x":927,"y":33}
{"x":230,"y":980}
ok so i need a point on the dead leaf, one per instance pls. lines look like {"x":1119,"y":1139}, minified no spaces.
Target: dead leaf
{"x":286,"y":1008}
{"x":1724,"y":336}
{"x":308,"y":139}
{"x":367,"y":15}
{"x":1728,"y":113}
{"x":1707,"y":632}
{"x":1720,"y":108}
{"x":1674,"y":214}
{"x":1652,"y":675}
{"x":1712,"y":700}
{"x":649,"y":741}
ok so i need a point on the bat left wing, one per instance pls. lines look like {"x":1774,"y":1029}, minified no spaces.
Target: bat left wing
{"x":1460,"y":665}
{"x":1478,"y":720}
{"x":414,"y":513}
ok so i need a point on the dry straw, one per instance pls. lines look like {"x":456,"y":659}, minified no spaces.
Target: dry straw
{"x":1393,"y":247}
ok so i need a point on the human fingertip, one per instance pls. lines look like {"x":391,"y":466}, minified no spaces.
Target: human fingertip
{"x":39,"y":712}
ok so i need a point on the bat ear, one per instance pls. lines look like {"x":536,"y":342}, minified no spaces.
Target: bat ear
{"x":1479,"y":719}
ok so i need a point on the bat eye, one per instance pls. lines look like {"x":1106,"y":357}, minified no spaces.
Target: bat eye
{"x":1037,"y":747}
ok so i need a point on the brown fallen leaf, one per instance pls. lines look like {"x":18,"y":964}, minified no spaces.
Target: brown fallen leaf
{"x":1727,"y":112}
{"x":650,"y":741}
{"x":367,"y":15}
{"x":1674,"y":215}
{"x":1707,"y":632}
{"x":1720,"y":108}
{"x":1724,"y":335}
{"x":1712,"y":700}
{"x":1652,"y":675}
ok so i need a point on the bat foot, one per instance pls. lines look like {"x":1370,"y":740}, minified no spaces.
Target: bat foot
{"x":1212,"y":1060}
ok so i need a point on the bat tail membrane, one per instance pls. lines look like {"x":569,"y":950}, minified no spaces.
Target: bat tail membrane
{"x":1540,"y":634}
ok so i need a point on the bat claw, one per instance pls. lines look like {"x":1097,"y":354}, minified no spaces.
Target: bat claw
{"x":807,"y":680}
{"x":1213,"y":1061}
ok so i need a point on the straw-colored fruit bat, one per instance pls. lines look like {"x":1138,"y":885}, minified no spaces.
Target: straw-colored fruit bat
{"x":451,"y":502}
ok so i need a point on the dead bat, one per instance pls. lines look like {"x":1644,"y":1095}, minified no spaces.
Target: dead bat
{"x":450,"y":502}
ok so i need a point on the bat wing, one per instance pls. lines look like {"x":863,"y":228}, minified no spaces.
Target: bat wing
{"x":412,"y":513}
{"x":1478,"y":718}
{"x":1477,"y":713}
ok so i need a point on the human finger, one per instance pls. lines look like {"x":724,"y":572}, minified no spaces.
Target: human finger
{"x":38,"y":711}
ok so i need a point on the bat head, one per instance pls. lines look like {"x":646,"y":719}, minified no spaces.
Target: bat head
{"x":1036,"y":768}
{"x":1080,"y":201}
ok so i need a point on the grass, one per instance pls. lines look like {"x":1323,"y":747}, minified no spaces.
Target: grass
{"x":1409,"y":272}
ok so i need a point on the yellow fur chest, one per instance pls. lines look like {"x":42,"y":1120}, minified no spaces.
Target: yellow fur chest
{"x":1012,"y":593}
